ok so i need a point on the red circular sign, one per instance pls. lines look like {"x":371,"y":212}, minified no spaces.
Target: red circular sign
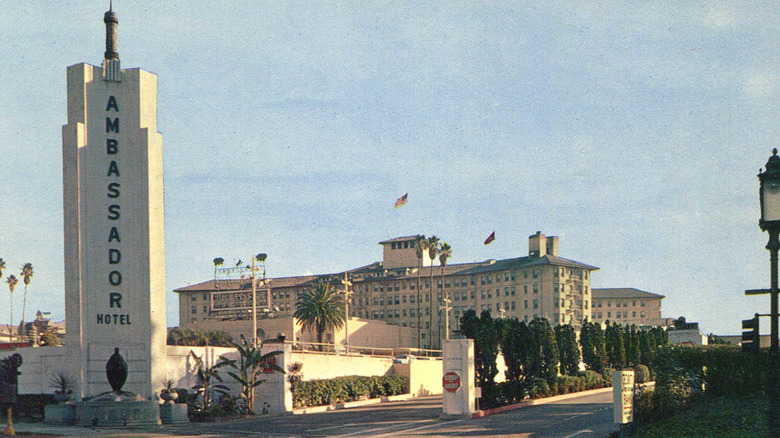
{"x":451,"y":381}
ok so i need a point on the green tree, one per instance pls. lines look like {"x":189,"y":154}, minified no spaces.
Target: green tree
{"x":445,"y":252}
{"x":433,"y":250}
{"x":11,"y":280}
{"x":615,"y":346}
{"x":543,"y":359}
{"x":320,"y":308}
{"x":631,"y":336}
{"x":419,"y":248}
{"x":27,"y":275}
{"x":593,"y":350}
{"x":248,"y":369}
{"x":469,"y":323}
{"x":205,"y":385}
{"x":514,"y":345}
{"x":486,"y":344}
{"x":569,"y":350}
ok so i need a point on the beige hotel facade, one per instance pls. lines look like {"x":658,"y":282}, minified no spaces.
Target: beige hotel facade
{"x":395,"y":291}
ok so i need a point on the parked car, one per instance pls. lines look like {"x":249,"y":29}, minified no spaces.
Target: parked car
{"x":403,"y":358}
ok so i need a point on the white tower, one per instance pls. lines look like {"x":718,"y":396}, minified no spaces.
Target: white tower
{"x":113,"y":205}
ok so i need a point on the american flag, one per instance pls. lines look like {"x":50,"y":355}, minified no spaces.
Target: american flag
{"x":401,"y":201}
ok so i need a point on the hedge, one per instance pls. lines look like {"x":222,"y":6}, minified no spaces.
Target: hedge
{"x":343,"y":389}
{"x":685,"y":375}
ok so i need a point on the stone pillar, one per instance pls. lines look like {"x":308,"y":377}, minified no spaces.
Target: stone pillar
{"x":274,"y":396}
{"x":458,"y":378}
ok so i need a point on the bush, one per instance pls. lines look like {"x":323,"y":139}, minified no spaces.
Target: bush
{"x":538,"y":387}
{"x":343,"y":389}
{"x":641,"y":374}
{"x":30,"y":406}
{"x":512,"y":391}
{"x":592,"y":379}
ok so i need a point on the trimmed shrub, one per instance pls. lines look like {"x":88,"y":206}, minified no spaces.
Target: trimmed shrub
{"x":592,"y":379}
{"x":538,"y":387}
{"x":343,"y":389}
{"x":641,"y":374}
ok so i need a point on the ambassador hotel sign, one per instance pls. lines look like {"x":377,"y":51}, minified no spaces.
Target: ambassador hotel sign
{"x":113,"y":223}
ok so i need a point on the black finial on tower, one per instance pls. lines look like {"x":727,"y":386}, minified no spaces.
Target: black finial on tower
{"x":111,"y":24}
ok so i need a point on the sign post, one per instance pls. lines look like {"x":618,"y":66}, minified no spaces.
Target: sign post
{"x":623,"y":398}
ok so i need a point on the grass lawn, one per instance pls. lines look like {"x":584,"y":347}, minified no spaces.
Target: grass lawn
{"x":723,"y":418}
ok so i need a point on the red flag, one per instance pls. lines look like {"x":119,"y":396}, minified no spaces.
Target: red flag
{"x":401,"y":201}
{"x":490,"y":238}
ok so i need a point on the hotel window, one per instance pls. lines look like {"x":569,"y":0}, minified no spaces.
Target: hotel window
{"x":617,"y":304}
{"x":609,"y":303}
{"x":536,"y":304}
{"x":525,"y":289}
{"x":395,"y":287}
{"x":625,"y":314}
{"x":411,"y":312}
{"x":473,"y":281}
{"x":397,"y":314}
{"x":382,"y":301}
{"x":506,"y":291}
{"x":513,"y":275}
{"x":490,"y":294}
{"x":513,"y":291}
{"x":641,"y":314}
{"x":498,"y":307}
{"x":412,"y":286}
{"x":483,"y":294}
{"x":403,"y":298}
{"x":396,"y":300}
{"x":617,"y":315}
{"x":556,"y":287}
{"x":563,"y":302}
{"x":525,"y":274}
{"x":536,"y":273}
{"x":633,"y":314}
{"x":205,"y":296}
{"x":412,"y":298}
{"x":536,"y":288}
{"x":525,"y":304}
{"x":513,"y":305}
{"x":193,"y":297}
{"x":600,"y":316}
{"x":642,"y":304}
{"x":457,"y":297}
{"x":427,"y":311}
{"x":205,"y":309}
{"x":447,"y":283}
{"x":498,"y":278}
{"x":403,"y":286}
{"x":473,"y":294}
{"x":609,"y":314}
{"x":555,"y":303}
{"x":194,"y":310}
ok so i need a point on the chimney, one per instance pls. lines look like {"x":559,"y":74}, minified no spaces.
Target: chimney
{"x":552,"y":245}
{"x":537,"y":245}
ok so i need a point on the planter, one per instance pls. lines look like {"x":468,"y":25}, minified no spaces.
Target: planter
{"x":169,"y":397}
{"x":63,"y":397}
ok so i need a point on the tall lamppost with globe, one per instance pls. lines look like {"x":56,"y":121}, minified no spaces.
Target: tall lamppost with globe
{"x":769,"y":195}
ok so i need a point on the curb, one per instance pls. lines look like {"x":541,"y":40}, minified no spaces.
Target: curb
{"x":540,"y":401}
{"x":354,"y":404}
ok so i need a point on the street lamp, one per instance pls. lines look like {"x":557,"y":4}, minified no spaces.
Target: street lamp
{"x":769,"y":195}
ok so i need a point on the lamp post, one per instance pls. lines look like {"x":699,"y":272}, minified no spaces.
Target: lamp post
{"x":346,"y":284}
{"x":769,"y":195}
{"x":260,"y":258}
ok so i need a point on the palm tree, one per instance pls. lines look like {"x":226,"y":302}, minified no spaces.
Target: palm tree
{"x":249,"y":366}
{"x":320,"y":308}
{"x":419,"y":247}
{"x":2,"y":266}
{"x":11,"y":280}
{"x":433,"y":250}
{"x":203,"y":376}
{"x":27,"y":274}
{"x":445,"y":252}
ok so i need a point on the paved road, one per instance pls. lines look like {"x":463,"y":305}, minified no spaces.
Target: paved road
{"x":582,"y":417}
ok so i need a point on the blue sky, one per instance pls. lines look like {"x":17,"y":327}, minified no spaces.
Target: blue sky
{"x":632,"y":130}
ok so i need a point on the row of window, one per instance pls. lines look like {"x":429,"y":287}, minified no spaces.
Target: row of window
{"x":624,"y":314}
{"x":599,"y":303}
